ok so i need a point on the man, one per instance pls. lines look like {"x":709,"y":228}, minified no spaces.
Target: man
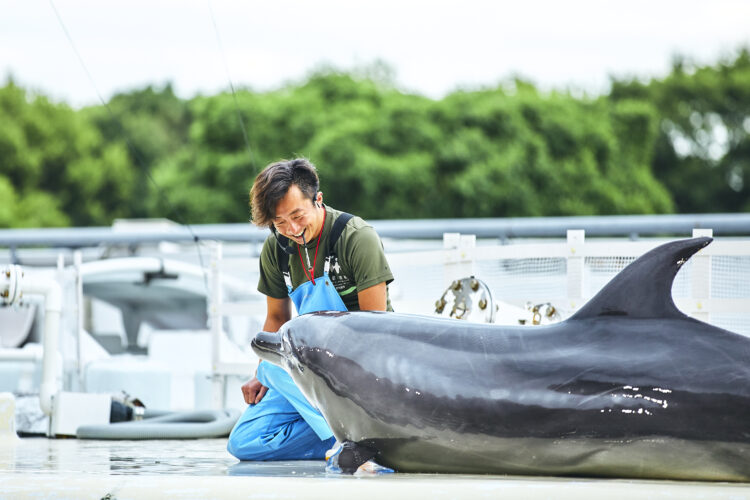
{"x":319,"y":259}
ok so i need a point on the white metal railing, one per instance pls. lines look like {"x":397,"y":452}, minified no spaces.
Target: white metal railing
{"x":576,"y":282}
{"x":423,"y":275}
{"x":460,"y":258}
{"x":217,"y":311}
{"x":135,"y":232}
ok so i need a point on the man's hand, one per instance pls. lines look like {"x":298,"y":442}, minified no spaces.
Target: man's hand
{"x":253,"y":391}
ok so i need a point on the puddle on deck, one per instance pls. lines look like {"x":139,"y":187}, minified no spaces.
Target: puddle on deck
{"x":202,"y":457}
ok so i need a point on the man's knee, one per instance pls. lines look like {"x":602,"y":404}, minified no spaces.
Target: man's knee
{"x":255,"y":437}
{"x":291,"y":441}
{"x":245,"y":447}
{"x":264,"y":446}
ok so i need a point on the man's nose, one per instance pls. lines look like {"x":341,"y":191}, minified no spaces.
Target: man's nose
{"x":295,"y":228}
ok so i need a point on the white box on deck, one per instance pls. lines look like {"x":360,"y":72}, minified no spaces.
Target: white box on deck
{"x":71,"y":410}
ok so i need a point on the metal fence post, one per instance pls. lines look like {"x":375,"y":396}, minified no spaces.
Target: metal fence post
{"x":215,"y":324}
{"x":459,"y":256}
{"x":701,"y":280}
{"x":575,"y":267}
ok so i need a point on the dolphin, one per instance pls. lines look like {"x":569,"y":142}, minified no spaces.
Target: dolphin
{"x":628,"y":386}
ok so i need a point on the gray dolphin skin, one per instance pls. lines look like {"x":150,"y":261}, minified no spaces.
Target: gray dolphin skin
{"x":628,"y":386}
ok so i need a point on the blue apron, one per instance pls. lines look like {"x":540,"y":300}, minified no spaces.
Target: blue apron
{"x":308,"y":297}
{"x":284,"y":425}
{"x":319,"y":296}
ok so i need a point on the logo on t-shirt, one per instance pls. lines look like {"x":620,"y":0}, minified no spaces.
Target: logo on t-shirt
{"x":335,"y":267}
{"x":340,"y":281}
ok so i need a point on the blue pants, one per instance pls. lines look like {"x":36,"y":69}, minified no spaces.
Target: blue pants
{"x":283,"y":426}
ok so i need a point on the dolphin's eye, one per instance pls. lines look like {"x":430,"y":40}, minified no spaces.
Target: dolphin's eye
{"x":286,"y":346}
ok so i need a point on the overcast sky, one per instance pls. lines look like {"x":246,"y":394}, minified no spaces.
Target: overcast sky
{"x":434,"y":46}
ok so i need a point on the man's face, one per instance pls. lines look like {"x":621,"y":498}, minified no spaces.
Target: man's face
{"x":296,"y":215}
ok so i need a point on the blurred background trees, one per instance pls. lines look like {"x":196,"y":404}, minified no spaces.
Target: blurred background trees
{"x":702,"y":150}
{"x":56,"y":167}
{"x":675,"y":144}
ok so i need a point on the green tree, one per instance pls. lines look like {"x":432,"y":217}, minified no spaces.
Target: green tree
{"x":57,"y":164}
{"x":680,"y":142}
{"x":152,"y":125}
{"x":702,"y":153}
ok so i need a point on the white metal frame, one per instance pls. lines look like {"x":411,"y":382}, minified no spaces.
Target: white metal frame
{"x":459,"y":255}
{"x":14,"y":282}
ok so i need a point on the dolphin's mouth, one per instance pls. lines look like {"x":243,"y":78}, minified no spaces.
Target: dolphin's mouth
{"x":267,"y":345}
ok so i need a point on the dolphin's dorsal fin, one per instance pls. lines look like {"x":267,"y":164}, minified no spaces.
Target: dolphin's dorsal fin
{"x":644,"y":288}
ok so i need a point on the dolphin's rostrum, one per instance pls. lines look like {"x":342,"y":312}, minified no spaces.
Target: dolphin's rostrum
{"x":628,"y":386}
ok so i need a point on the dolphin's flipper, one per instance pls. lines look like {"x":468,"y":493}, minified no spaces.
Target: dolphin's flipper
{"x":349,"y":457}
{"x":644,"y":288}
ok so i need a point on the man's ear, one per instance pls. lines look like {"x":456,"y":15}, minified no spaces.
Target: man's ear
{"x":319,"y":199}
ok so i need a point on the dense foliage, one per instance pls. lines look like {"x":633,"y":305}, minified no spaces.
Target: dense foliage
{"x":681,"y":143}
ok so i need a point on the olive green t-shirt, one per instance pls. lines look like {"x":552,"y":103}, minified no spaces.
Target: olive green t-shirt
{"x":358,"y":263}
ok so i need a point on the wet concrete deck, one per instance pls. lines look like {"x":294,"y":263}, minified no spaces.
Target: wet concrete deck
{"x":202,"y":469}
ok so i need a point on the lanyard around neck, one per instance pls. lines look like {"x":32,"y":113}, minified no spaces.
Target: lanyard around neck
{"x":311,"y":271}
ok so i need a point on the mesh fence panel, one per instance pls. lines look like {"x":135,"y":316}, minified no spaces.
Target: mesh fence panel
{"x":529,"y":278}
{"x":599,"y":270}
{"x":739,"y":322}
{"x":730,"y":277}
{"x":416,"y":287}
{"x":517,"y":280}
